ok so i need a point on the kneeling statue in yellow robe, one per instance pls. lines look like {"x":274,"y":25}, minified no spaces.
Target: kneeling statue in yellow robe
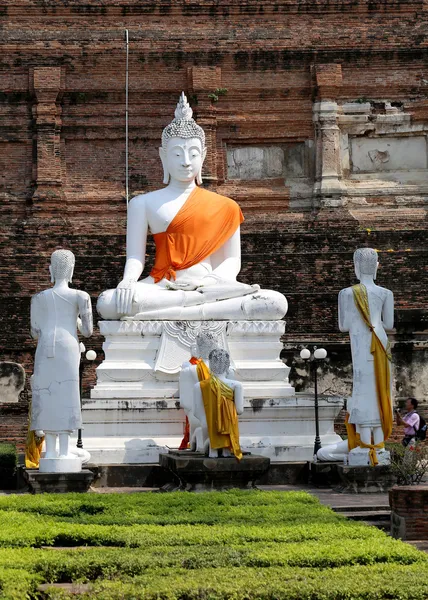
{"x":217,"y":403}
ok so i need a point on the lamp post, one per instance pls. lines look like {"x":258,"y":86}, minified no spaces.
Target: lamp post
{"x":90,"y":356}
{"x":318,"y":355}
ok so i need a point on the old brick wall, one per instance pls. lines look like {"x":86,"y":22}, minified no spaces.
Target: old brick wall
{"x":62,"y":152}
{"x":409,"y":512}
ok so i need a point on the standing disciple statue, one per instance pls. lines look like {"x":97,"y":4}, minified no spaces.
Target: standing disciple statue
{"x":56,"y":313}
{"x":366,"y":311}
{"x":192,"y":371}
{"x":198,"y":248}
{"x":218,"y":401}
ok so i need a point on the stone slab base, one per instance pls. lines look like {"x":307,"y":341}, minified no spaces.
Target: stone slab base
{"x":365,"y":480}
{"x":156,"y":476}
{"x":58,"y":483}
{"x":196,"y":472}
{"x":324,"y":474}
{"x":60,"y":465}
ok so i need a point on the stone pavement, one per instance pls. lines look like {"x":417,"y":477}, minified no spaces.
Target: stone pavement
{"x":335,"y":500}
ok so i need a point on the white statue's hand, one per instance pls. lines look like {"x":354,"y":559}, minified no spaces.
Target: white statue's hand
{"x":184,"y":284}
{"x":125,"y":293}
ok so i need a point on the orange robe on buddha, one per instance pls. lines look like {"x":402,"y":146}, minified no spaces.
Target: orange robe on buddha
{"x":201,"y":227}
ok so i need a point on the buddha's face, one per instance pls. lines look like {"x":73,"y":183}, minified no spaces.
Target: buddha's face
{"x":182,"y":159}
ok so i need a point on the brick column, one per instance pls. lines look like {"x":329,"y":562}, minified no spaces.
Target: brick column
{"x":325,"y":115}
{"x":203,"y":81}
{"x":409,"y":512}
{"x":46,"y":83}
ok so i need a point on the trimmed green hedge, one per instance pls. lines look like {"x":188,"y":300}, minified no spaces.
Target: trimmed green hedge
{"x":8,"y":465}
{"x":232,"y":545}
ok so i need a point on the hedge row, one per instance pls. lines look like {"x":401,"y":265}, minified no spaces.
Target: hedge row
{"x":257,"y":545}
{"x":378,"y":582}
{"x":173,"y":509}
{"x":21,"y":530}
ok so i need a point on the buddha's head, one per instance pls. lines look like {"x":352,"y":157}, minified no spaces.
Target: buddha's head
{"x":183,"y":148}
{"x":62,"y":265}
{"x":365,"y":262}
{"x":219,"y":361}
{"x":205,"y":343}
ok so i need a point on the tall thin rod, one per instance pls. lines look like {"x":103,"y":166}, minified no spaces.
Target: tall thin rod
{"x":126,"y":119}
{"x":317,"y":443}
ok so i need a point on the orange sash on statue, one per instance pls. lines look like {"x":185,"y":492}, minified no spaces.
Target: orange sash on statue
{"x":203,"y":224}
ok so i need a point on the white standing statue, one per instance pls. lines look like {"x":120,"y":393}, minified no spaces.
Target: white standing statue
{"x":366,"y":311}
{"x":218,"y":401}
{"x":192,"y":372}
{"x":198,"y":247}
{"x":56,"y":313}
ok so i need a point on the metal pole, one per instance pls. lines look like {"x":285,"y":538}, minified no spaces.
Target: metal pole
{"x":79,"y":431}
{"x":317,"y":443}
{"x":126,"y":119}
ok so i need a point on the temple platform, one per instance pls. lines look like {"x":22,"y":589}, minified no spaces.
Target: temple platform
{"x":134,"y":414}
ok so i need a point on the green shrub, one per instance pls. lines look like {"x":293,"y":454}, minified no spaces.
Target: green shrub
{"x":235,"y":545}
{"x":8,"y":465}
{"x":347,"y":583}
{"x":409,"y":464}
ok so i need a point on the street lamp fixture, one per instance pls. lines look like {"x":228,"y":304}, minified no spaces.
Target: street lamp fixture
{"x":318,"y":355}
{"x":90,"y":356}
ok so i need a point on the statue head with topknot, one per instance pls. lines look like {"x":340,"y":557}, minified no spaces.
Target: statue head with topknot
{"x":365,"y":262}
{"x":62,"y":266}
{"x":183,"y":148}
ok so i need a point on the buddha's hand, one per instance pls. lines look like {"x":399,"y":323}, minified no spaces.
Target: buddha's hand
{"x":125,"y":293}
{"x":184,"y":283}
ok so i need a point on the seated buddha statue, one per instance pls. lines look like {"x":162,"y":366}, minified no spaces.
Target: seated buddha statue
{"x":197,"y":239}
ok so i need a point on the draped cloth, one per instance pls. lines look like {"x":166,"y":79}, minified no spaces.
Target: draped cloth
{"x":201,"y":227}
{"x":222,"y":418}
{"x":382,"y":359}
{"x":203,"y":373}
{"x":33,"y":448}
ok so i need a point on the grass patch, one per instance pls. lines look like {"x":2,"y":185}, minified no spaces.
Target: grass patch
{"x":237,"y":545}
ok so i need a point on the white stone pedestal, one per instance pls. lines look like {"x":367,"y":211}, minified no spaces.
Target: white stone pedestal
{"x":60,"y":465}
{"x":134,"y":412}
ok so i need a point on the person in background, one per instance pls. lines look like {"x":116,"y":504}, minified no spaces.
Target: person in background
{"x":410,"y":421}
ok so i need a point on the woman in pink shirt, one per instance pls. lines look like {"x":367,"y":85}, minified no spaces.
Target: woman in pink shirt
{"x":411,"y":421}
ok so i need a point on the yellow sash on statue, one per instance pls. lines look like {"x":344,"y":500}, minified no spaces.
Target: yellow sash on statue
{"x":202,"y":371}
{"x":222,"y":418}
{"x":382,"y":358}
{"x":33,"y":447}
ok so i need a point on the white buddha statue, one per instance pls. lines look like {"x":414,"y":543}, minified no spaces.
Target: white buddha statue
{"x":366,"y":311}
{"x":198,"y":248}
{"x":56,"y":313}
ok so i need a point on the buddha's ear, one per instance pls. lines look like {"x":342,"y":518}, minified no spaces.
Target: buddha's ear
{"x":162,"y":155}
{"x":375,"y":273}
{"x":51,"y":274}
{"x":199,"y":175}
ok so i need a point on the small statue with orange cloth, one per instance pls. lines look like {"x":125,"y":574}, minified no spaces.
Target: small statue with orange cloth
{"x":192,"y":372}
{"x":218,"y":401}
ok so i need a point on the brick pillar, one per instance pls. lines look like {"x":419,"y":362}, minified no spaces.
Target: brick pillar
{"x":203,"y":81}
{"x":47,"y":84}
{"x":328,"y":184}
